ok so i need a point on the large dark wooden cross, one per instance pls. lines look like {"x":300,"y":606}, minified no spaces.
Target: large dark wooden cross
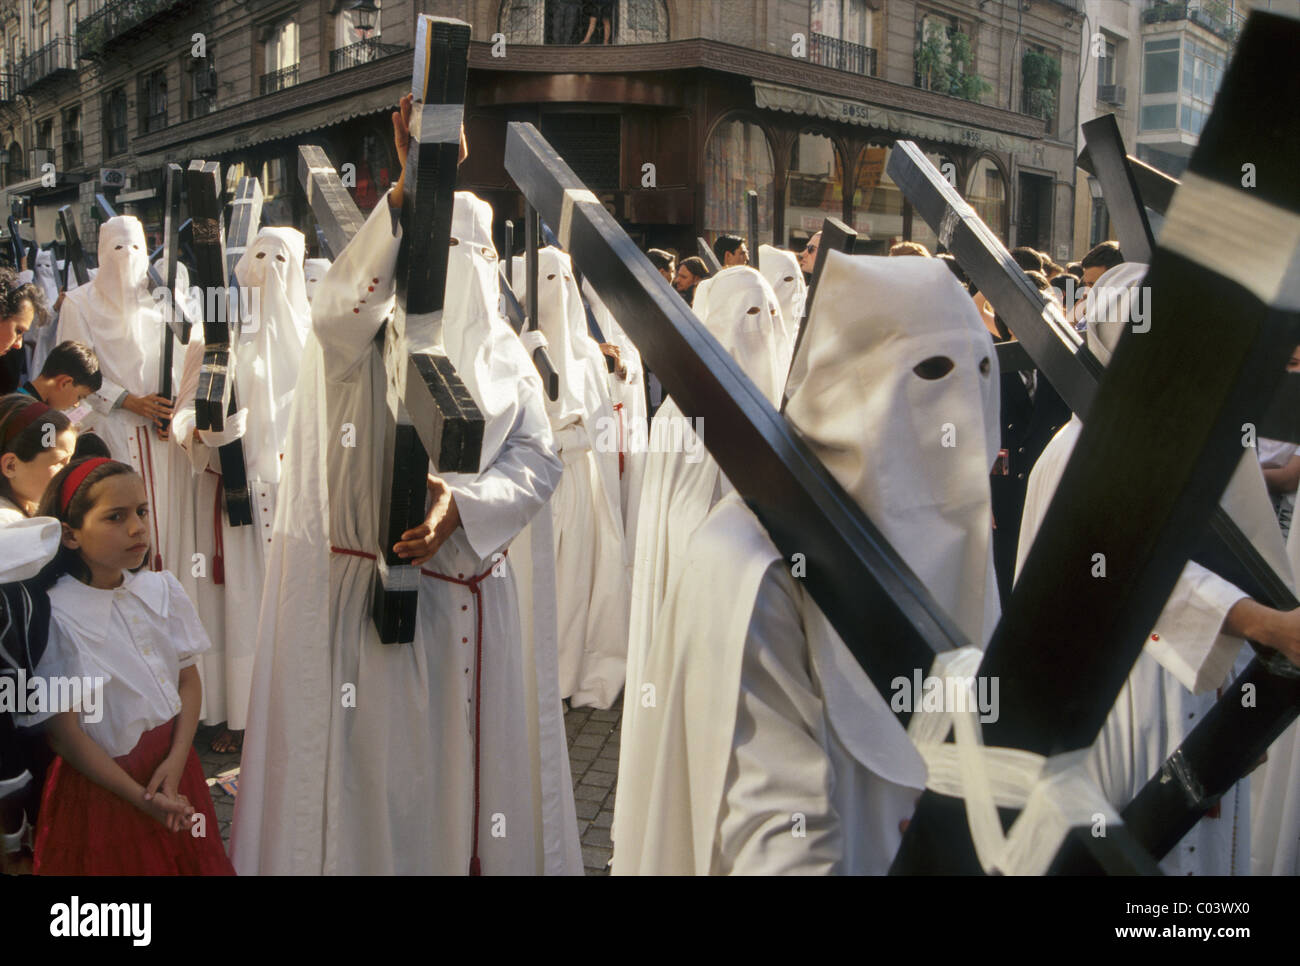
{"x":75,"y":253}
{"x":430,"y":410}
{"x":1137,"y":487}
{"x":215,"y":397}
{"x":1190,"y":296}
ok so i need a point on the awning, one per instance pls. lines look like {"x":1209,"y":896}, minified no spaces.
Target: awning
{"x":243,"y":133}
{"x":777,"y":97}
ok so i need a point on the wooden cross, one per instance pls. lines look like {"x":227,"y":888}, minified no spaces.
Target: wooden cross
{"x":1215,"y":377}
{"x":215,"y":396}
{"x":708,"y":257}
{"x":751,"y":223}
{"x":75,"y":254}
{"x":337,"y":216}
{"x":430,"y":411}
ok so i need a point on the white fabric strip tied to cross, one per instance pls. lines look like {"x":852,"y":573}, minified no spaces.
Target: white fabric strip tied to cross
{"x":1054,"y":793}
{"x":533,"y":339}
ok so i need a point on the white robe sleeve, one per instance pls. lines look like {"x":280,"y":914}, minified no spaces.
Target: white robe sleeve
{"x":495,"y":505}
{"x":1186,"y":639}
{"x":356,"y":294}
{"x":779,"y":767}
{"x":183,"y":431}
{"x":73,"y":326}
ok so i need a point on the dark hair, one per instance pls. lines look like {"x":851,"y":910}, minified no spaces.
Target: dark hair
{"x":1104,"y":255}
{"x":659,"y":258}
{"x":695,"y":265}
{"x":908,"y":248}
{"x":1075,"y":269}
{"x":67,"y":560}
{"x":1027,"y":258}
{"x":726,"y":245}
{"x":956,"y":269}
{"x":1039,"y":280}
{"x":13,"y":294}
{"x":1068,"y":285}
{"x":75,"y":359}
{"x":89,"y":444}
{"x":30,"y":441}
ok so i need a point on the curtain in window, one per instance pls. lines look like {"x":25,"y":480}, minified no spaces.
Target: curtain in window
{"x":345,"y":27}
{"x":738,"y":159}
{"x":523,"y":21}
{"x":282,"y":48}
{"x":641,"y":22}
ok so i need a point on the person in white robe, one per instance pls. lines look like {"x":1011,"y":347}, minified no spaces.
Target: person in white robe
{"x":1195,"y":646}
{"x":682,"y":482}
{"x":630,"y":425}
{"x":45,"y":338}
{"x":591,"y":573}
{"x":117,"y":316}
{"x":782,"y":271}
{"x":314,"y":270}
{"x":362,"y":757}
{"x":766,"y":749}
{"x":268,"y":352}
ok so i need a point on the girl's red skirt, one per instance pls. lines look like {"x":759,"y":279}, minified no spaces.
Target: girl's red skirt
{"x":84,"y":829}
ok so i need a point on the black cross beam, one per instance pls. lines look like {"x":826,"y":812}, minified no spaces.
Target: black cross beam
{"x":430,"y":410}
{"x":514,"y":313}
{"x":1145,"y":506}
{"x":215,"y":396}
{"x":16,"y":244}
{"x":337,"y":216}
{"x":1118,"y":184}
{"x":885,"y":615}
{"x":1157,"y":187}
{"x":75,"y":253}
{"x":751,"y":224}
{"x":707,"y":256}
{"x":177,"y":323}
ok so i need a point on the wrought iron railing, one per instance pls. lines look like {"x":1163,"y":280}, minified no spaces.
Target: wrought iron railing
{"x":842,"y":55}
{"x":53,"y":58}
{"x":6,"y":87}
{"x":362,"y":52}
{"x":1219,"y":20}
{"x":149,"y":123}
{"x":95,"y":31}
{"x":200,"y":106}
{"x":278,"y":80}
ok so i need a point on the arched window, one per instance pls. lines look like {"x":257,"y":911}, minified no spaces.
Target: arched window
{"x":877,"y":202}
{"x":986,"y":192}
{"x":16,"y":169}
{"x":738,"y":159}
{"x":814,"y":186}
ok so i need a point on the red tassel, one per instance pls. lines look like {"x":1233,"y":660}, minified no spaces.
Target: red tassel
{"x":157,"y":563}
{"x":475,"y":866}
{"x":218,"y":570}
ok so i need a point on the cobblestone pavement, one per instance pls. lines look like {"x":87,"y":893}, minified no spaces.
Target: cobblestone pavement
{"x":593,"y":756}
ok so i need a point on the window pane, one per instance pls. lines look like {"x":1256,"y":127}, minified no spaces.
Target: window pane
{"x":814,"y":187}
{"x":877,"y":203}
{"x":986,"y":192}
{"x":1160,"y":74}
{"x":1159,"y":117}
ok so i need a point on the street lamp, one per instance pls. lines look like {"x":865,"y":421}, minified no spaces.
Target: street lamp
{"x":365,"y":12}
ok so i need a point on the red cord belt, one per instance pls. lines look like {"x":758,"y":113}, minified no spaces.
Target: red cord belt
{"x":473,"y":584}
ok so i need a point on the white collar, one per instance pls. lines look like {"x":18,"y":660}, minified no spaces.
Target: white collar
{"x":89,"y":609}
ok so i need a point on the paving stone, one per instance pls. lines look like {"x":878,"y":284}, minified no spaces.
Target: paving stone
{"x":607,"y":750}
{"x":605,"y":764}
{"x":591,"y":793}
{"x":598,"y":837}
{"x":613,"y":714}
{"x":594,"y":858}
{"x":582,"y":753}
{"x":589,"y":741}
{"x":601,"y":779}
{"x":587,"y":810}
{"x":603,"y":820}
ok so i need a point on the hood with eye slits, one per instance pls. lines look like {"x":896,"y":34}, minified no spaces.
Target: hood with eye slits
{"x":782,"y":271}
{"x":314,"y":270}
{"x":122,"y":280}
{"x":741,"y":311}
{"x":900,"y":401}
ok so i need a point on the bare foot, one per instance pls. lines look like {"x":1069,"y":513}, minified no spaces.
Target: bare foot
{"x":228,"y":742}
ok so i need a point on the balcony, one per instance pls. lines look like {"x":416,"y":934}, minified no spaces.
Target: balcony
{"x":7,"y":94}
{"x":121,"y":20}
{"x":200,"y":107}
{"x":1217,"y":18}
{"x":362,"y":52}
{"x":56,"y":59}
{"x":278,"y":80}
{"x":842,"y":55}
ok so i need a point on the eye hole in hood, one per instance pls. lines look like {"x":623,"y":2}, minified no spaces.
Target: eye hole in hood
{"x":935,"y":367}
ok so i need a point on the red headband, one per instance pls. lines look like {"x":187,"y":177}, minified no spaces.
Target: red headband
{"x":25,"y":418}
{"x":72,"y":482}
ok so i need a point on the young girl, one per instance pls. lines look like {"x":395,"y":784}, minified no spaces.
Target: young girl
{"x":35,"y":443}
{"x":126,"y":794}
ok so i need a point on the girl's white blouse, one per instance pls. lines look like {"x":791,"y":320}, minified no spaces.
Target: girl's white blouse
{"x":132,"y":643}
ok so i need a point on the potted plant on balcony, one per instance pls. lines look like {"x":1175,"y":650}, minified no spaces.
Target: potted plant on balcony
{"x":944,"y":63}
{"x":1040,"y":74}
